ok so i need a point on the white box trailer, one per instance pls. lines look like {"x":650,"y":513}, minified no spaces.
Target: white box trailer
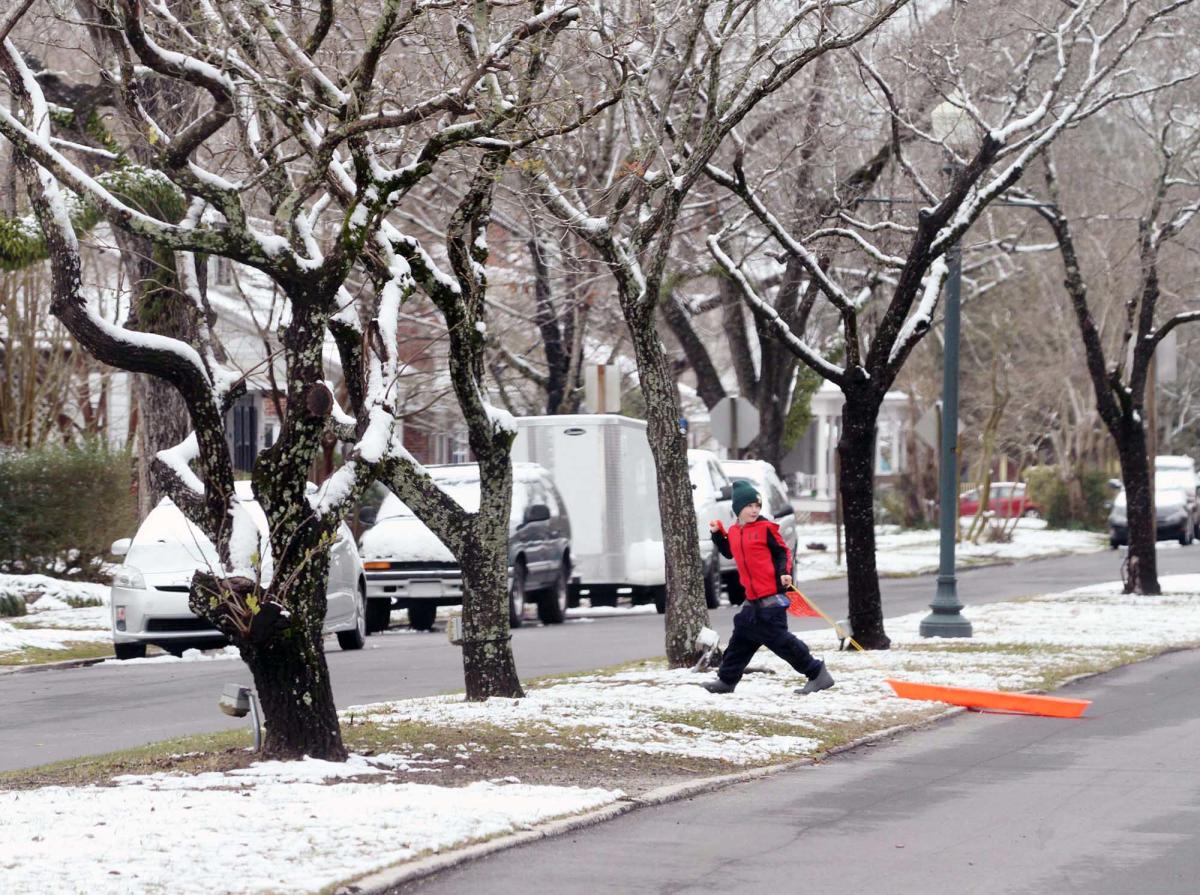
{"x":602,"y":466}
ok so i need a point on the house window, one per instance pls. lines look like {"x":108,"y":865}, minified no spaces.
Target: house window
{"x":245,"y":436}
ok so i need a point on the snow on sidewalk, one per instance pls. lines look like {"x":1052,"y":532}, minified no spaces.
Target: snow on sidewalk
{"x":285,"y":828}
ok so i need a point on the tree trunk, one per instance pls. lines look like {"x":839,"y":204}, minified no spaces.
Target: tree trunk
{"x":1141,"y":576}
{"x":686,"y":611}
{"x":488,"y":665}
{"x":162,"y":423}
{"x":856,"y":458}
{"x":292,"y":679}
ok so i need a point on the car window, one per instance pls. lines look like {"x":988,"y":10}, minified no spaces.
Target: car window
{"x":779,"y":503}
{"x":999,"y":492}
{"x":551,"y":496}
{"x":719,"y":479}
{"x":698,"y":476}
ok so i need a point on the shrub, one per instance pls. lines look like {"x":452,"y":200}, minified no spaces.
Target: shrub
{"x":62,"y":507}
{"x":1048,"y":490}
{"x":12,"y":605}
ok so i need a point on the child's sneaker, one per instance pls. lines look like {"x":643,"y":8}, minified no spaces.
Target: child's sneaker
{"x":823,"y":681}
{"x":717,"y":686}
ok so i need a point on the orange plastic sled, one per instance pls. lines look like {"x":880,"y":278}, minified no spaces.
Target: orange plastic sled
{"x":1051,"y":706}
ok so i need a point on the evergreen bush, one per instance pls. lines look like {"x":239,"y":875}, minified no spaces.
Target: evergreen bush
{"x":12,"y":605}
{"x":62,"y":507}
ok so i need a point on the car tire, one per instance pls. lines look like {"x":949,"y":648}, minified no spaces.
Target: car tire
{"x":379,"y":615}
{"x":552,"y":605}
{"x":712,"y":583}
{"x":356,"y":637}
{"x":659,"y":593}
{"x":733,"y":585}
{"x":421,"y":616}
{"x":1031,"y":513}
{"x":516,"y":597}
{"x":125,"y":651}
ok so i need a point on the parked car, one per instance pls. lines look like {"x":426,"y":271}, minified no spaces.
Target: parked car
{"x":713,"y":495}
{"x":1005,"y":499}
{"x":407,"y":567}
{"x":1180,"y":472}
{"x":1175,"y":515}
{"x":150,"y":589}
{"x":777,"y":507}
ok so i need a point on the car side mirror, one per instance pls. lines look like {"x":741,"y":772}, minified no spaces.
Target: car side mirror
{"x":367,"y":516}
{"x":727,"y":492}
{"x":120,"y":546}
{"x":789,"y":510}
{"x":539,"y":512}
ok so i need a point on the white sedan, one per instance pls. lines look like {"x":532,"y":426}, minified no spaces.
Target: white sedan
{"x":150,"y":589}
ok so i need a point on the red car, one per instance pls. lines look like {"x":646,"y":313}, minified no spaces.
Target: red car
{"x":1006,"y":499}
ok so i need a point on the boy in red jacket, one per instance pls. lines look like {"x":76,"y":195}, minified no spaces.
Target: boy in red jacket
{"x":764,"y":563}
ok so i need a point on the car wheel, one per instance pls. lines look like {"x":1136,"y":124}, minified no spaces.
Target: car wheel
{"x":379,"y":615}
{"x":552,"y":606}
{"x":659,"y":592}
{"x":733,"y":585}
{"x":356,"y":637}
{"x":421,"y":616}
{"x":712,"y":584}
{"x":1031,"y":513}
{"x":516,"y":597}
{"x":129,"y":650}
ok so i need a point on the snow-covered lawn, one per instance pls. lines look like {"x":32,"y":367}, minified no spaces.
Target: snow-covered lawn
{"x":53,"y":623}
{"x":329,"y":823}
{"x":900,"y":552}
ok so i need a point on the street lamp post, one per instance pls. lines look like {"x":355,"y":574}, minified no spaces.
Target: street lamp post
{"x":951,"y":125}
{"x":946,"y":619}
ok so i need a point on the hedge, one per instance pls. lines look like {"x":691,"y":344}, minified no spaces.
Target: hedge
{"x":62,"y":507}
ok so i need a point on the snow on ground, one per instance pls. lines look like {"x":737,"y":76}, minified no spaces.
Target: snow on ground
{"x":53,"y":593}
{"x":653,"y":710}
{"x":96,"y":839}
{"x":907,"y":552}
{"x":290,"y":833}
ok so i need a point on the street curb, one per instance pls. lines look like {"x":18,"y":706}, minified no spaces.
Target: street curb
{"x":51,"y":666}
{"x":382,"y":882}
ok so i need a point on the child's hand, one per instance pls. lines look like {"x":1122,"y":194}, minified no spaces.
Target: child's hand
{"x":715,"y":525}
{"x":786,"y":580}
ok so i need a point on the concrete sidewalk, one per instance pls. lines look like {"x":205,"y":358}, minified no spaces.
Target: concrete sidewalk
{"x":980,"y":804}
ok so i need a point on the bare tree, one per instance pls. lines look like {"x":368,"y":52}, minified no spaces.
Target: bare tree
{"x":303,"y":142}
{"x":1067,"y":63}
{"x":693,"y":77}
{"x":1120,"y":375}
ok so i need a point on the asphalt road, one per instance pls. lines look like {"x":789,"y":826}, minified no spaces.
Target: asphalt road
{"x":982,"y":804}
{"x":66,"y":713}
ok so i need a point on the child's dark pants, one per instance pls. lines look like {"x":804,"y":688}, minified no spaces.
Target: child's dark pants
{"x":759,"y":624}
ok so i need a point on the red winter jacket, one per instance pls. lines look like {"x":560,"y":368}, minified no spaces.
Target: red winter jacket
{"x":760,"y":554}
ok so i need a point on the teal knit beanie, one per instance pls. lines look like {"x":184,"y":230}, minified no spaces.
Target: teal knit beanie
{"x":744,"y":494}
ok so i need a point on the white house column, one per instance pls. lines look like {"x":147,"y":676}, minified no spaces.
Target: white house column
{"x":822,"y":456}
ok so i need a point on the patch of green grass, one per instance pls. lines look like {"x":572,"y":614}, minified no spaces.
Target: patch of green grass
{"x":72,"y":649}
{"x":1005,"y":649}
{"x":728,"y":722}
{"x":194,"y":754}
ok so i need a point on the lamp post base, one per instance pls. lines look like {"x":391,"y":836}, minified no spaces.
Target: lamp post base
{"x":946,"y":619}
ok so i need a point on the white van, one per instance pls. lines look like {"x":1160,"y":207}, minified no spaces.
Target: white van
{"x":603,"y":468}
